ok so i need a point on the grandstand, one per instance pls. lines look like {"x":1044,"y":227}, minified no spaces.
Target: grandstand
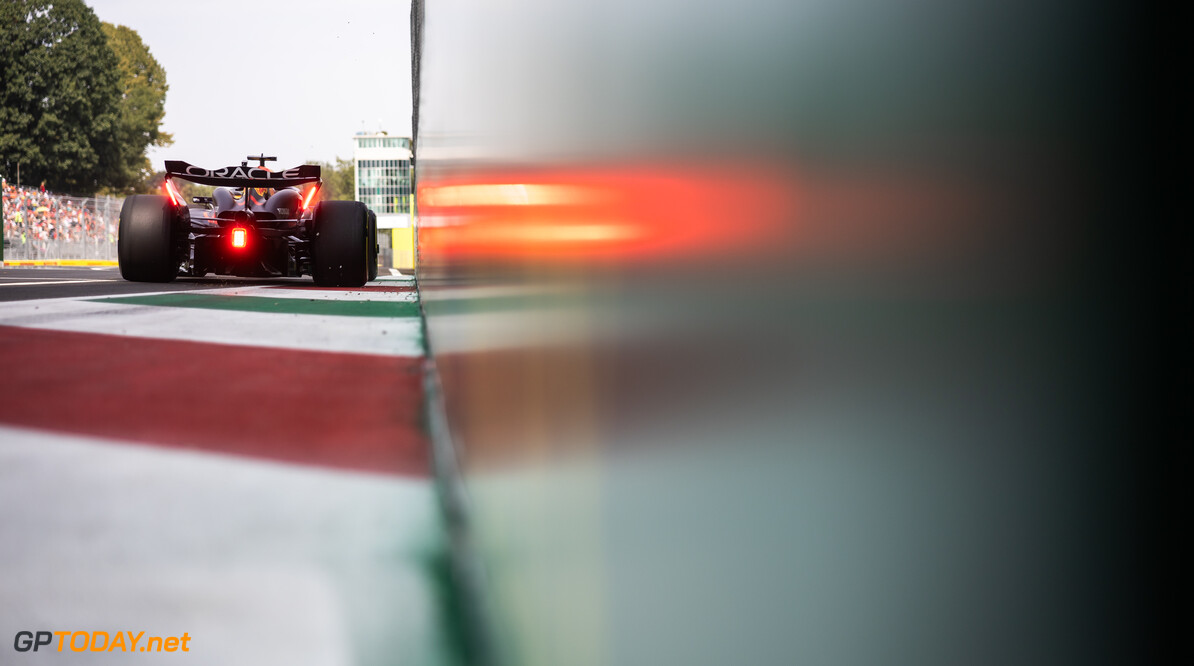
{"x":41,"y":225}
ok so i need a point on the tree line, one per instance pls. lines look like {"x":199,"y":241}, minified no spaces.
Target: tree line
{"x":80,"y":100}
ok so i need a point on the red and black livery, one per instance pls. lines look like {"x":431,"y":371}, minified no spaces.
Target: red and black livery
{"x":257,"y":223}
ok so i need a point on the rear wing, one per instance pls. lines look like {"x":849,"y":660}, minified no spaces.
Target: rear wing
{"x":244,"y":176}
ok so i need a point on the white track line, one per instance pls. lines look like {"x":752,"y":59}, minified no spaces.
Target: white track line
{"x":40,"y":282}
{"x":261,"y":563}
{"x":314,"y":294}
{"x":363,"y":335}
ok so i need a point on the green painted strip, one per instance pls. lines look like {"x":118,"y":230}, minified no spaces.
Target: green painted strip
{"x":275,"y":305}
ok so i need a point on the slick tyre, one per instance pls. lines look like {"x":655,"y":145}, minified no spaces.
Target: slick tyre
{"x":371,"y":239}
{"x":145,"y":248}
{"x":340,"y":246}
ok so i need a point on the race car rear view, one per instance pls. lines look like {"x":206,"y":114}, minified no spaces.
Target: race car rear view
{"x":257,"y":223}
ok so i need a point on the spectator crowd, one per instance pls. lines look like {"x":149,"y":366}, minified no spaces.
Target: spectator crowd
{"x":34,"y":217}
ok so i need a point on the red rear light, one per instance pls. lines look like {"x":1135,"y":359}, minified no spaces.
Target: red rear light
{"x":239,"y":237}
{"x":310,"y":197}
{"x":172,"y":192}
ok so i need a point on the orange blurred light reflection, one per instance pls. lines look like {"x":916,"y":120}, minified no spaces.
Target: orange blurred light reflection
{"x":562,"y":215}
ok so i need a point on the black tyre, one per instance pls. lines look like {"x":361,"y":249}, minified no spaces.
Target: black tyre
{"x":340,"y":248}
{"x":145,"y":248}
{"x":373,"y":247}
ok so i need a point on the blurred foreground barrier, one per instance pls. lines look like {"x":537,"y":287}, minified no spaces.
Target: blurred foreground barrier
{"x":795,"y":332}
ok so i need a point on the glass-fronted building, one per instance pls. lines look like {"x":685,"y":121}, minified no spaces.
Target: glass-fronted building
{"x":383,"y":172}
{"x":384,"y":183}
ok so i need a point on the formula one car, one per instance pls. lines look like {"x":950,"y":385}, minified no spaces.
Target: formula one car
{"x":257,"y":223}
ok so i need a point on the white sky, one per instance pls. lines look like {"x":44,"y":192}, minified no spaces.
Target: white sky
{"x":292,"y":78}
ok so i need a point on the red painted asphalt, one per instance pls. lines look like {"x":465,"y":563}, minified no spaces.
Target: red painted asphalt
{"x":351,"y":411}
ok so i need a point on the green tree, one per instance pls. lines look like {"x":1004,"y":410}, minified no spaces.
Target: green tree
{"x":59,"y":95}
{"x":345,"y":179}
{"x":185,"y":188}
{"x":142,"y":108}
{"x":339,"y":179}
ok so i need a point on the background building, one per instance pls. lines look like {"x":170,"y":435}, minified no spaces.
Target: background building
{"x":383,"y":182}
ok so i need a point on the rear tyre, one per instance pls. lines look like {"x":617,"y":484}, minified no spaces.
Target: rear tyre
{"x":372,"y":241}
{"x":340,"y":246}
{"x":146,"y":244}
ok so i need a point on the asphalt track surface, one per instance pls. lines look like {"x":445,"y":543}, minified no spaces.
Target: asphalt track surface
{"x":25,"y":283}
